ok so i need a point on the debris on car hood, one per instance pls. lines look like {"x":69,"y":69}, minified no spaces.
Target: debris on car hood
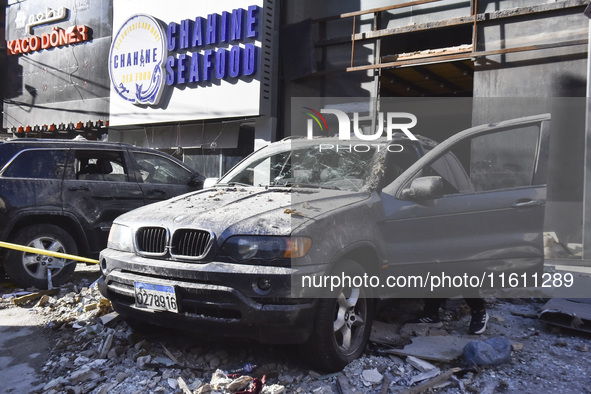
{"x":265,"y":210}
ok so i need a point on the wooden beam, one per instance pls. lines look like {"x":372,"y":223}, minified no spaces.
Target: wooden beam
{"x":458,"y":56}
{"x":427,"y":53}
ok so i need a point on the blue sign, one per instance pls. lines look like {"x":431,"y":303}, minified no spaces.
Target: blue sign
{"x":145,"y":56}
{"x":221,"y":47}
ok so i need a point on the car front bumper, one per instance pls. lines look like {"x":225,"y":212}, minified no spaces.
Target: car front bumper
{"x":214,"y":298}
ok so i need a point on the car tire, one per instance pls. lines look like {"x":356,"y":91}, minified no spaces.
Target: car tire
{"x":30,"y":269}
{"x":342,"y":324}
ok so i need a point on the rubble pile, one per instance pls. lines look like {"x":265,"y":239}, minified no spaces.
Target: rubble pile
{"x":95,"y":351}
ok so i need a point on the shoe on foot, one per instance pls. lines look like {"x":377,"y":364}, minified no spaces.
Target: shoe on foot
{"x":478,"y":322}
{"x":432,"y":320}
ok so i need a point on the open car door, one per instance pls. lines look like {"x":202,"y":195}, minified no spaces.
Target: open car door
{"x":472,"y":206}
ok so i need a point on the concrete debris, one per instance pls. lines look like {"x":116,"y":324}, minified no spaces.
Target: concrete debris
{"x":424,"y":376}
{"x":239,"y":383}
{"x":419,"y":364}
{"x":173,"y":383}
{"x":183,"y":386}
{"x":56,"y":382}
{"x":106,"y":346}
{"x":142,"y":361}
{"x":43,"y":301}
{"x":417,"y":330}
{"x":273,"y":389}
{"x":83,"y":374}
{"x":90,"y":307}
{"x":95,"y":351}
{"x":372,"y":376}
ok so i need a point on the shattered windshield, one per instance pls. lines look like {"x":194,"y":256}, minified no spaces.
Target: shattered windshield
{"x":309,"y":166}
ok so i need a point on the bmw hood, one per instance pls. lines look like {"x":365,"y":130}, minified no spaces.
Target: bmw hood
{"x":229,"y":210}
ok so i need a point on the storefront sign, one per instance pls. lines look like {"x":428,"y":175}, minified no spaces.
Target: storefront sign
{"x":208,"y":33}
{"x":192,"y":60}
{"x":57,"y":38}
{"x":202,"y":49}
{"x":42,"y":18}
{"x":136,"y":60}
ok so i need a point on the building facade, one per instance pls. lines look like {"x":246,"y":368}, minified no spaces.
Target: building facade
{"x":211,"y":81}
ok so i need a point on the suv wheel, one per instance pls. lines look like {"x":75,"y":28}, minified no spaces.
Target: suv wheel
{"x":343,"y":323}
{"x":30,"y":269}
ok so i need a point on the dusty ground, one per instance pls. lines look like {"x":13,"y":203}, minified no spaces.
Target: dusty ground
{"x":64,"y":344}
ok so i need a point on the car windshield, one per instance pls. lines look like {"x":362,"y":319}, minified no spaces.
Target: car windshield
{"x":306,"y":166}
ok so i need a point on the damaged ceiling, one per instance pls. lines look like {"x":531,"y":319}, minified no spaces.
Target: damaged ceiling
{"x":450,"y":79}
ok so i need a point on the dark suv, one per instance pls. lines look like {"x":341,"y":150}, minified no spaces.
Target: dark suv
{"x":62,"y":195}
{"x":295,"y":242}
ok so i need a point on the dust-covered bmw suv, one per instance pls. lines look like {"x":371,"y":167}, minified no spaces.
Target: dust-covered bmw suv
{"x":294,"y":244}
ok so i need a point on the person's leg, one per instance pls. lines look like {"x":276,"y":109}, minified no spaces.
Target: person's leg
{"x":432,"y":306}
{"x":476,"y":304}
{"x":479,"y":315}
{"x":430,"y":313}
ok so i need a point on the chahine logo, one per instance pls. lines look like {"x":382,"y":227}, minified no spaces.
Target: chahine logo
{"x":136,"y":60}
{"x":393,"y":123}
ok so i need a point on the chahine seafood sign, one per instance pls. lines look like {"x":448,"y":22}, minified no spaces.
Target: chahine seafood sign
{"x":145,"y":56}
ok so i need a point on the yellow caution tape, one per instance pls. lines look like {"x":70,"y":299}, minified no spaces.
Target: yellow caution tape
{"x":47,"y":252}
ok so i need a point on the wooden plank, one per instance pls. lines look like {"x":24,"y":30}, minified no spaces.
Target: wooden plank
{"x":468,"y":55}
{"x":34,"y":296}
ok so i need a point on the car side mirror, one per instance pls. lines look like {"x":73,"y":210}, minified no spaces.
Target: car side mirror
{"x":424,"y":188}
{"x":196,"y":181}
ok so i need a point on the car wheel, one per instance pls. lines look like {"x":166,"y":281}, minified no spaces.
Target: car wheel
{"x":343,"y":323}
{"x":30,"y":269}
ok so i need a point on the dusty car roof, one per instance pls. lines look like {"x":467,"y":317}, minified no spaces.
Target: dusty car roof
{"x":10,"y":147}
{"x":57,"y":142}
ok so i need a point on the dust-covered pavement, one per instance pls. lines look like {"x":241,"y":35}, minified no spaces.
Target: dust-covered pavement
{"x":71,"y":342}
{"x":24,"y":349}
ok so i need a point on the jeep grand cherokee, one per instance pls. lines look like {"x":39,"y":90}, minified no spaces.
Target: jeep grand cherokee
{"x":62,"y":195}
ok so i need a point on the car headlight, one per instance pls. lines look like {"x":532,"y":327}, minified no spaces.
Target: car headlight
{"x":268,"y":248}
{"x":120,"y":238}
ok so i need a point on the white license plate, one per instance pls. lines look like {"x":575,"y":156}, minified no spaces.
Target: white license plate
{"x":155,"y":297}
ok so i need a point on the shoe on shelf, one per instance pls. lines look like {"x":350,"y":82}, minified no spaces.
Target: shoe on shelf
{"x":478,"y":322}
